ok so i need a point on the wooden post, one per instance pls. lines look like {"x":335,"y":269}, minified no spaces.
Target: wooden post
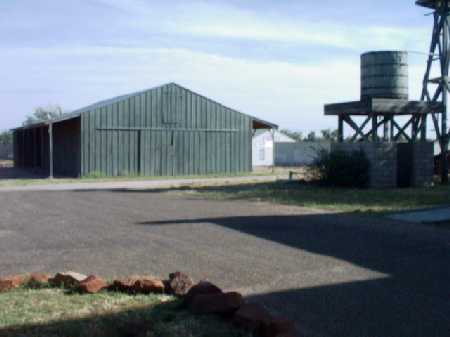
{"x":50,"y":142}
{"x":386,"y":129}
{"x":374,"y":128}
{"x":272,"y":132}
{"x":415,"y":128}
{"x":445,"y":70}
{"x":42,"y":147}
{"x":33,"y":148}
{"x":392,"y":127}
{"x":23,"y":156}
{"x":423,"y":128}
{"x":340,"y":129}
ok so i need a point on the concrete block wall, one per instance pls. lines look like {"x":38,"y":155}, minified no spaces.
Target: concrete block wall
{"x":382,"y":158}
{"x":384,"y":162}
{"x":423,"y":164}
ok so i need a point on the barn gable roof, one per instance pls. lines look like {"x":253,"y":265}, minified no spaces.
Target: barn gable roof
{"x":257,"y":122}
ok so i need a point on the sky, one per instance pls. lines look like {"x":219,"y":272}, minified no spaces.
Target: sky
{"x":278,"y":60}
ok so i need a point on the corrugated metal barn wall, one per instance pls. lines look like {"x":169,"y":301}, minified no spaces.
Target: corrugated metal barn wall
{"x":165,"y":131}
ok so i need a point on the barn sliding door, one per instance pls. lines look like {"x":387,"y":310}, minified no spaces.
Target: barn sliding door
{"x":157,"y":153}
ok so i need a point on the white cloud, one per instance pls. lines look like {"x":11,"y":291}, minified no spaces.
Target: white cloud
{"x":220,"y":20}
{"x":290,"y":94}
{"x":343,"y":36}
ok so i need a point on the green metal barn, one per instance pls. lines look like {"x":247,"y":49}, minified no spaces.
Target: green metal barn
{"x":164,"y":131}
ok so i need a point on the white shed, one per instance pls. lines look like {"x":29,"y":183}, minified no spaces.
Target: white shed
{"x":263,"y":146}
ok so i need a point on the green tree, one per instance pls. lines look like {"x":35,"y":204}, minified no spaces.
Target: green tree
{"x":43,"y":114}
{"x":6,"y":137}
{"x":311,"y":137}
{"x":296,"y":135}
{"x":328,"y":134}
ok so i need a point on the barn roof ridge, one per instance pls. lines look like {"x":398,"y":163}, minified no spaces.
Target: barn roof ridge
{"x":275,"y":126}
{"x":103,"y":103}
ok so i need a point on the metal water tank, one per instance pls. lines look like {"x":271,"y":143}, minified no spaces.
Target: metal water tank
{"x":384,"y":74}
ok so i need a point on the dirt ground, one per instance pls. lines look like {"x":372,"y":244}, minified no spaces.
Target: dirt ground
{"x":336,"y":275}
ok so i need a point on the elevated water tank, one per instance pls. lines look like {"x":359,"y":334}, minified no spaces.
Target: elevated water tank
{"x":384,"y":74}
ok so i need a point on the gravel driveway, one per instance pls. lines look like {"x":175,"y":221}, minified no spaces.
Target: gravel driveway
{"x":336,"y":275}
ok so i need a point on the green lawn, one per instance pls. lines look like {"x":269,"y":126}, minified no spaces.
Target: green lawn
{"x":340,"y":199}
{"x":55,"y":313}
{"x":99,"y":178}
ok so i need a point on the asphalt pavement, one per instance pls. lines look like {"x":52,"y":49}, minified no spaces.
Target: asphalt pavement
{"x":335,"y":274}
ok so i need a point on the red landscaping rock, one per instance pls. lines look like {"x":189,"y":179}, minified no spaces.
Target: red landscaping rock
{"x":37,"y":280}
{"x":68,"y":279}
{"x":226,"y":303}
{"x":201,"y":288}
{"x":139,"y":284}
{"x":252,"y":317}
{"x":278,"y":327}
{"x":92,"y":285}
{"x":148,"y":285}
{"x":125,"y":285}
{"x":39,"y":277}
{"x":179,"y":283}
{"x":11,"y":282}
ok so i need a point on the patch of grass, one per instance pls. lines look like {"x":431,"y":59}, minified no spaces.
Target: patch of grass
{"x":96,"y":177}
{"x":339,"y":199}
{"x":54,"y":313}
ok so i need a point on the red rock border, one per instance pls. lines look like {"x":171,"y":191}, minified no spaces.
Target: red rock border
{"x":201,"y":298}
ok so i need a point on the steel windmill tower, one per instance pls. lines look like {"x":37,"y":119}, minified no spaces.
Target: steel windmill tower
{"x":436,"y":89}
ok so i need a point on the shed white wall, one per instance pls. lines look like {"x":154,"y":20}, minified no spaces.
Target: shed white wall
{"x":263,"y":146}
{"x":299,"y":154}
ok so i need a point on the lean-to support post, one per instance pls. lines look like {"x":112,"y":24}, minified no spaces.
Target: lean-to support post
{"x":272,"y":132}
{"x":50,"y":156}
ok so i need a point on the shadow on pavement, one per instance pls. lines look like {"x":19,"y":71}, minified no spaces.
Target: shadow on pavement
{"x":411,"y":300}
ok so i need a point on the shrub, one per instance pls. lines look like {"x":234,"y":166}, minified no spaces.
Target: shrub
{"x":343,"y":169}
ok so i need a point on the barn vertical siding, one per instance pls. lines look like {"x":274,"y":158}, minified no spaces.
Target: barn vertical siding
{"x":166,"y":131}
